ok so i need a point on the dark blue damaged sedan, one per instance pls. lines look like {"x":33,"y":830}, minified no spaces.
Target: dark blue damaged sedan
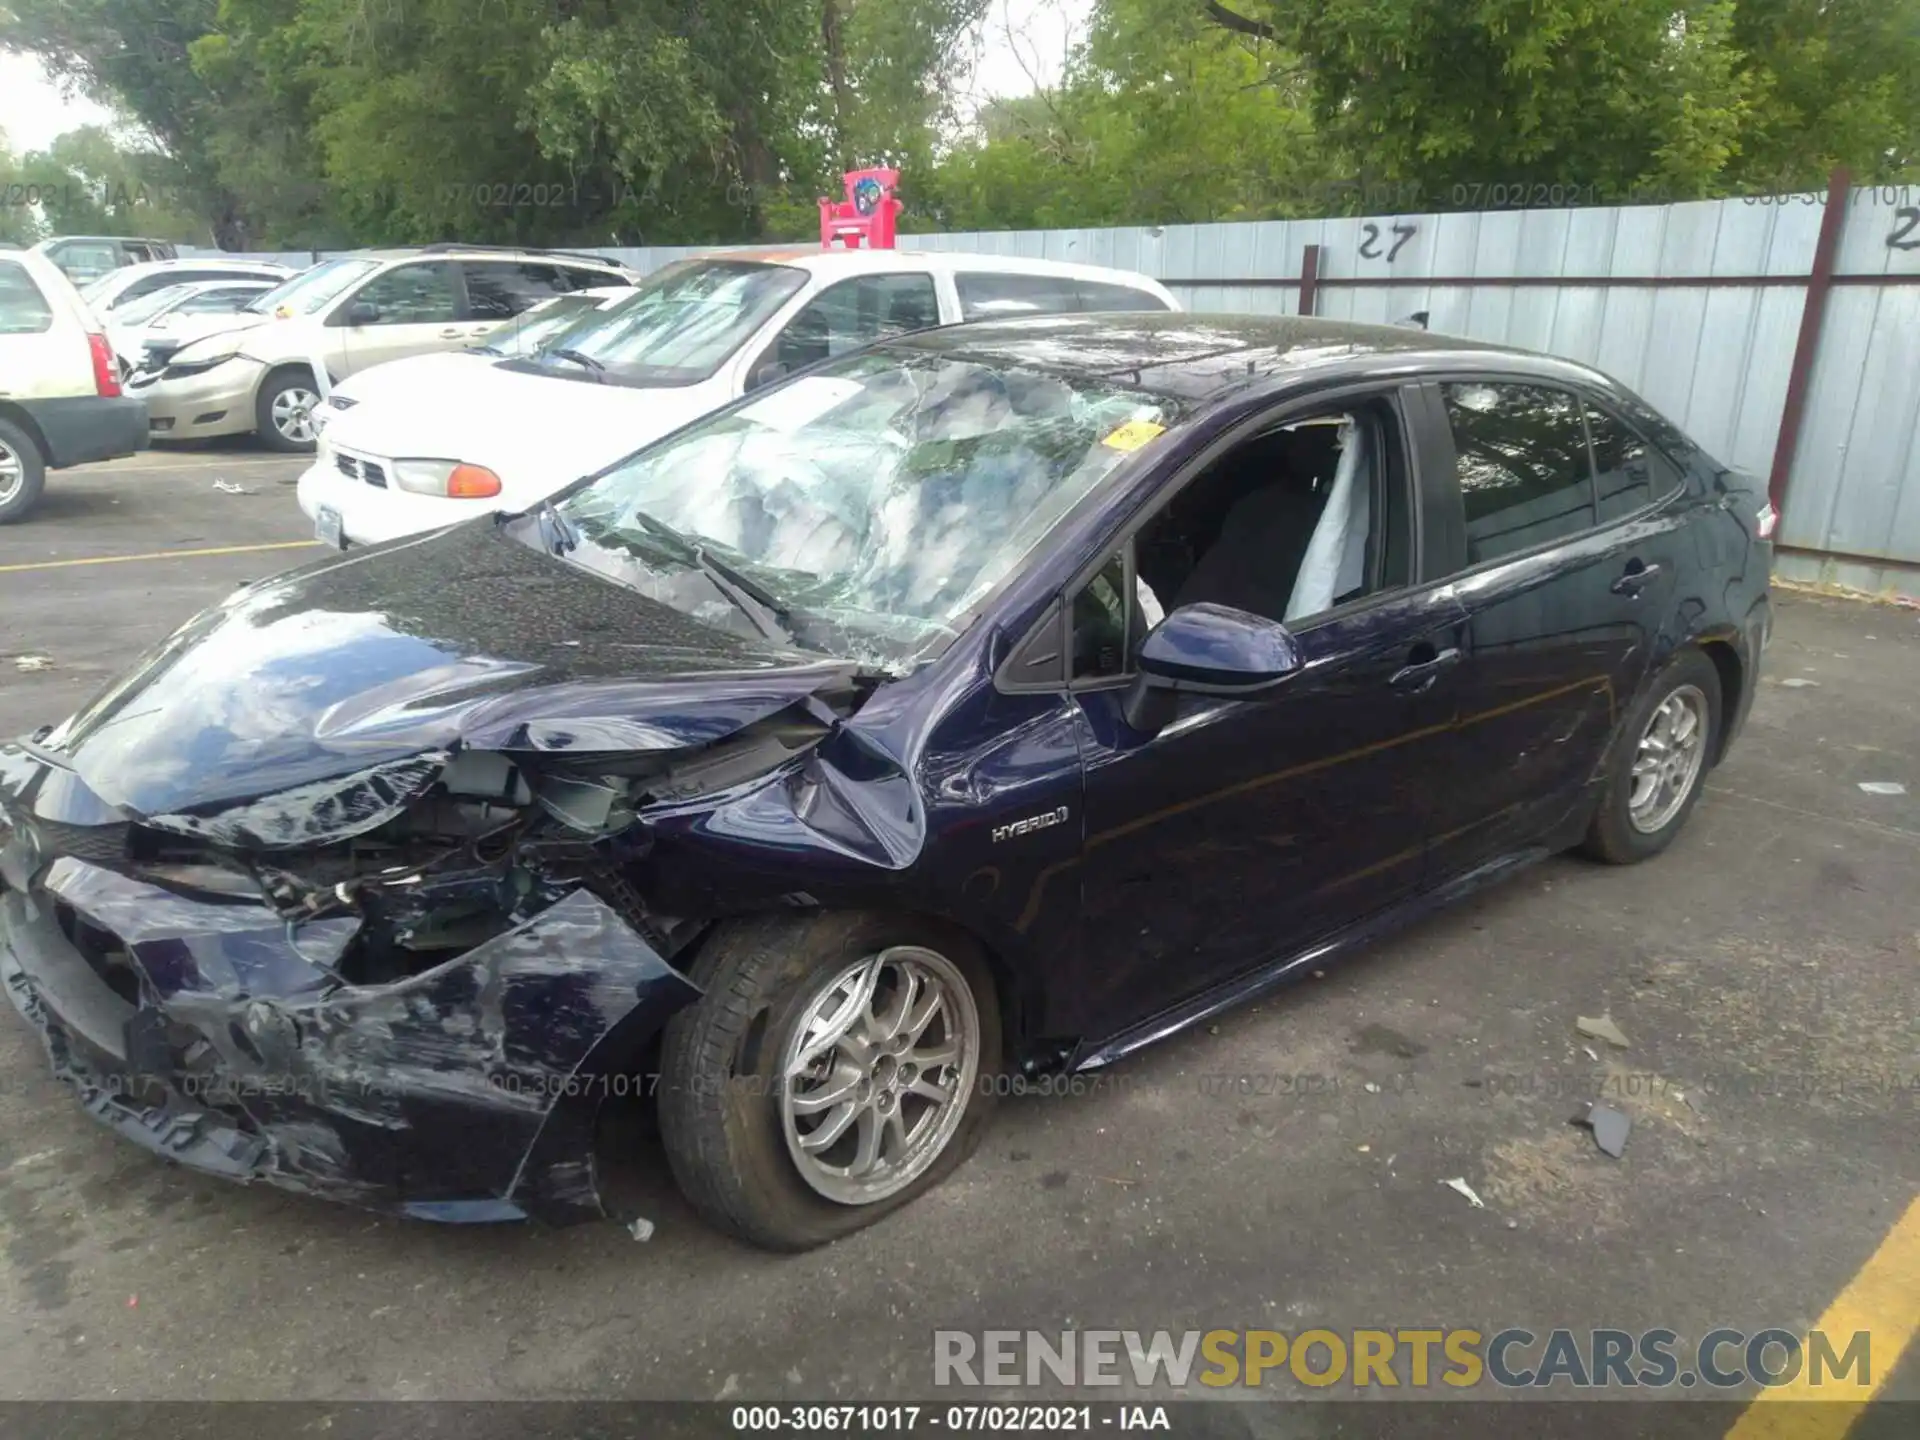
{"x":991,"y":701}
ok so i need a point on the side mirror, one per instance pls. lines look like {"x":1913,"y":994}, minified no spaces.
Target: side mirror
{"x":773,"y":370}
{"x":361,"y":313}
{"x":1207,"y":650}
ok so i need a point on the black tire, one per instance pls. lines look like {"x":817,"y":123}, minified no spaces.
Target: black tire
{"x":720,"y":1117}
{"x":24,"y":449}
{"x":1613,"y":837}
{"x":271,"y":389}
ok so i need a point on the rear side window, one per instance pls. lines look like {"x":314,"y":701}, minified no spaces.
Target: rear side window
{"x":1521,"y":461}
{"x":1095,"y":295}
{"x":23,"y":309}
{"x":985,"y":294}
{"x":577,"y":278}
{"x":1628,"y":473}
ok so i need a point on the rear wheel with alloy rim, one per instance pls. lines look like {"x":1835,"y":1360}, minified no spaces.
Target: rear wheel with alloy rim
{"x":1659,"y":762}
{"x":23,"y":474}
{"x":834,"y":1069}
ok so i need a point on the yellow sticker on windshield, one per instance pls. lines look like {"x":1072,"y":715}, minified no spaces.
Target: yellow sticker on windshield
{"x":1134,"y":434}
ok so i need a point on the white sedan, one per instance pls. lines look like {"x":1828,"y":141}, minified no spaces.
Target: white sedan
{"x":452,"y":439}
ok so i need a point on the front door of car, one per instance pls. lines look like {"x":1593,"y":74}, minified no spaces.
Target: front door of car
{"x":1249,"y":828}
{"x":408,"y":310}
{"x":1565,"y":594}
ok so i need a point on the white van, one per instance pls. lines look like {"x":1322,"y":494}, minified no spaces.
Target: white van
{"x":417,"y":445}
{"x":60,"y":400}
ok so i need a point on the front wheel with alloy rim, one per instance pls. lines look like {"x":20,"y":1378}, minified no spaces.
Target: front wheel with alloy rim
{"x":1659,"y":762}
{"x":23,"y":474}
{"x":283,"y":414}
{"x":836,"y":1067}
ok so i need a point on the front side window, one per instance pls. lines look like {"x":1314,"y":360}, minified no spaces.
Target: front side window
{"x":853,"y":313}
{"x":419,"y":294}
{"x":1628,"y":473}
{"x":1290,"y":524}
{"x":680,"y":325}
{"x":871,"y":504}
{"x":1522,"y":465}
{"x":23,"y":309}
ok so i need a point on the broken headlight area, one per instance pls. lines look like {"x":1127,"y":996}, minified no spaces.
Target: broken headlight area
{"x":492,"y":840}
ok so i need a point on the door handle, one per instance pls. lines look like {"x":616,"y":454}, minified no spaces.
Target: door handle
{"x":451,"y":334}
{"x":1636,"y":578}
{"x":1419,"y":675}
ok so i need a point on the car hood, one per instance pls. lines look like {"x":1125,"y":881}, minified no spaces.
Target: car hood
{"x":439,"y":375}
{"x":536,"y":432}
{"x":384,"y":662}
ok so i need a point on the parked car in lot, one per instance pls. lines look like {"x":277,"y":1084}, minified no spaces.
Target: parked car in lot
{"x":108,"y":296}
{"x":85,"y":258}
{"x":437,"y":375}
{"x":693,"y":336}
{"x":60,"y":400}
{"x":347,"y":314}
{"x":146,"y":331}
{"x":987,"y":703}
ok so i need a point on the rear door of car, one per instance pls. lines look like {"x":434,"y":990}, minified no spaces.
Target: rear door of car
{"x":1564,"y":594}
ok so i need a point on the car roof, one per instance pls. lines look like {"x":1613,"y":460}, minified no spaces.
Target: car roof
{"x":477,"y":252}
{"x":839,"y":261}
{"x":1206,"y":357}
{"x":201,"y":262}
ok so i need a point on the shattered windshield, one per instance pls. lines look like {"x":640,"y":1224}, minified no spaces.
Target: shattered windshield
{"x":861,"y":510}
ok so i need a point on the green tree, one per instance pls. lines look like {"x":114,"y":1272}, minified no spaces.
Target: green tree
{"x":133,"y":56}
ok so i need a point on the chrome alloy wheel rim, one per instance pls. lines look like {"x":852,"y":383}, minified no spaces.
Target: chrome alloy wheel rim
{"x":1668,"y":760}
{"x":13,"y":473}
{"x":875,"y":1078}
{"x":293,"y":414}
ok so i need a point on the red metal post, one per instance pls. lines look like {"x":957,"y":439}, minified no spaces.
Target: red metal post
{"x":1309,"y":278}
{"x":1807,"y":347}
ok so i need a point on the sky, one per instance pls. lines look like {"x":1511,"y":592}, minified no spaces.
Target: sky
{"x":1023,"y":41}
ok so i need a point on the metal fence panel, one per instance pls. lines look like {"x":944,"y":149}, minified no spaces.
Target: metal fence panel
{"x":1717,"y":356}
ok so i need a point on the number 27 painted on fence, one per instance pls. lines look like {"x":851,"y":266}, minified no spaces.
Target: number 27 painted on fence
{"x":1370,"y":243}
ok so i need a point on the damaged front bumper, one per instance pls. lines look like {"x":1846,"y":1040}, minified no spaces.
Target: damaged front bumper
{"x":216,"y":1034}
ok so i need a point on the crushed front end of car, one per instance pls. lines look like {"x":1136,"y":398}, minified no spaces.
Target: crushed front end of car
{"x":407,"y":986}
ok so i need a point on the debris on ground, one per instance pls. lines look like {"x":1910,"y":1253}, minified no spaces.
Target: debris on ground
{"x":1590,"y":1053}
{"x":31,"y":663}
{"x":1610,"y":1128}
{"x":1797,"y":682}
{"x":1459,"y":1184}
{"x":1883,"y":787}
{"x":641,"y":1230}
{"x":1602,"y":1028}
{"x":227,"y":487}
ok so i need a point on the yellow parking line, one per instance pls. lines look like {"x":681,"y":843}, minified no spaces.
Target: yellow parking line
{"x":1884,"y":1300}
{"x":157,"y":555}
